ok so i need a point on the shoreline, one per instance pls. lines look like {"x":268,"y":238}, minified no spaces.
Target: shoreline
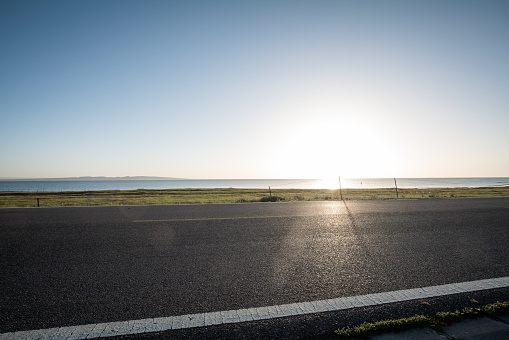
{"x":330,"y":183}
{"x":230,"y":195}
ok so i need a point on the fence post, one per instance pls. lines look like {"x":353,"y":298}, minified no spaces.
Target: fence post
{"x":37,"y":202}
{"x":270,"y":192}
{"x":340,"y":191}
{"x":396,"y":184}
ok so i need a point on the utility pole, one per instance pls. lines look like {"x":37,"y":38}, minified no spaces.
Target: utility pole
{"x":396,"y":184}
{"x":340,"y":191}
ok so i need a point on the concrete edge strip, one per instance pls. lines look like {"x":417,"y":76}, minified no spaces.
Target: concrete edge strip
{"x":130,"y":327}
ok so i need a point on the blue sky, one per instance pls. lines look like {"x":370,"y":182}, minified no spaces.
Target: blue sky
{"x":254,"y":89}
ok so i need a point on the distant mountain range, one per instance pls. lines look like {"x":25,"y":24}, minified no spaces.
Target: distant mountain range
{"x":95,"y":178}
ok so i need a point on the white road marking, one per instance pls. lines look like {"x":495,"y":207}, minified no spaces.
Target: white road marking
{"x":107,"y":329}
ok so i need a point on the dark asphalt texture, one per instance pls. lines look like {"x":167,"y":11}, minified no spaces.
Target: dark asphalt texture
{"x":70,"y":266}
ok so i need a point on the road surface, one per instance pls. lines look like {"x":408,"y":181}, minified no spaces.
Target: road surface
{"x":79,"y":265}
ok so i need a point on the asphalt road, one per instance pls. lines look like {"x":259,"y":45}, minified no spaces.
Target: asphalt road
{"x":70,"y":266}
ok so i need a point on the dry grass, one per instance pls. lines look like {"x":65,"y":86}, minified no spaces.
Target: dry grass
{"x":188,"y":196}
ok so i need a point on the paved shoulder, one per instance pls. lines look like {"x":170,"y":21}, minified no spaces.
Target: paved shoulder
{"x":162,"y":324}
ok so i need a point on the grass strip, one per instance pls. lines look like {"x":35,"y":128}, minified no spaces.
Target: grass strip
{"x":227,"y":195}
{"x":435,"y":322}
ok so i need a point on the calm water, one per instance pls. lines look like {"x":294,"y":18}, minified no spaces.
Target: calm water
{"x":88,"y":185}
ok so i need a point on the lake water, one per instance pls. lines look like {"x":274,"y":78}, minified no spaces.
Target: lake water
{"x":90,"y":185}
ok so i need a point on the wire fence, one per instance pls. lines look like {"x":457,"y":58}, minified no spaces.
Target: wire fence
{"x":380,"y":188}
{"x":237,"y":191}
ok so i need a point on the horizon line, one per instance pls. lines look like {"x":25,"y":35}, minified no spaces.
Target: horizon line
{"x":219,"y":179}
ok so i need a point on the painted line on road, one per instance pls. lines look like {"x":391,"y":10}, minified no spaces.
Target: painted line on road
{"x":229,"y":218}
{"x":131,"y":327}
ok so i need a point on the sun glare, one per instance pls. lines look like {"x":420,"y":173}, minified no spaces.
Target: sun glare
{"x":329,"y":183}
{"x":326,"y":149}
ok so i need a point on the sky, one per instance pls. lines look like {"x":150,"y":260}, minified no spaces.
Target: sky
{"x":254,"y":89}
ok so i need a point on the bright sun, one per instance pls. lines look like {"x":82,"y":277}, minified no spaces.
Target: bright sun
{"x":329,"y":148}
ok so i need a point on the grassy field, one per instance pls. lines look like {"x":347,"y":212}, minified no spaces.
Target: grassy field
{"x":188,"y":196}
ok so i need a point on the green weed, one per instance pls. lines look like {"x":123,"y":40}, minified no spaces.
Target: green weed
{"x":272,"y":198}
{"x":436,"y":322}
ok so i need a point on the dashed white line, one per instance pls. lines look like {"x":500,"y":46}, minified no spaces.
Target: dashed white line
{"x":107,"y":329}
